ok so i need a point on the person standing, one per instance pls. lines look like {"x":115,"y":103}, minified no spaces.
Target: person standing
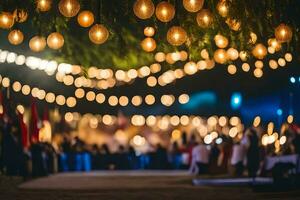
{"x":252,"y":154}
{"x":200,"y":158}
{"x":237,"y":158}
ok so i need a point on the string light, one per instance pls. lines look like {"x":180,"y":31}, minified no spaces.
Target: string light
{"x":204,"y":18}
{"x":43,"y":5}
{"x":69,"y":8}
{"x":165,"y":11}
{"x":193,"y":5}
{"x":85,"y":18}
{"x":143,"y":9}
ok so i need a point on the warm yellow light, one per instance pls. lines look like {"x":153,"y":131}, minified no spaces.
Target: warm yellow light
{"x":233,"y":132}
{"x":79,"y":93}
{"x":245,"y":67}
{"x":270,"y":128}
{"x":220,"y":56}
{"x":107,"y":120}
{"x":234,"y":121}
{"x":90,"y":96}
{"x":288,"y":57}
{"x":100,"y":98}
{"x":15,"y":37}
{"x":50,"y":97}
{"x":55,"y":41}
{"x":151,"y":120}
{"x":222,"y":8}
{"x":69,"y":117}
{"x":16,"y":86}
{"x":71,"y":102}
{"x":43,"y":5}
{"x":37,"y":43}
{"x":193,"y":5}
{"x":175,"y":120}
{"x":113,"y":100}
{"x":98,"y":34}
{"x":221,"y":41}
{"x":176,"y":36}
{"x":20,"y":109}
{"x":176,"y":134}
{"x":256,"y":121}
{"x":69,"y":8}
{"x":222,"y":121}
{"x":149,"y":31}
{"x":258,"y":73}
{"x":232,"y":54}
{"x":150,"y":99}
{"x":85,"y":18}
{"x":231,"y":69}
{"x":167,"y":100}
{"x":273,"y":64}
{"x":136,"y":100}
{"x":212,"y":121}
{"x":283,"y":33}
{"x":290,"y":119}
{"x":60,"y":100}
{"x":138,"y":120}
{"x":184,"y":120}
{"x":123,"y":101}
{"x":26,"y":89}
{"x":6,"y":20}
{"x":160,"y":57}
{"x":143,"y":9}
{"x":148,"y":44}
{"x":204,"y":18}
{"x":259,"y":64}
{"x":5,"y":82}
{"x":183,"y":99}
{"x":190,"y":68}
{"x":281,"y":62}
{"x":165,"y":11}
{"x":259,"y":51}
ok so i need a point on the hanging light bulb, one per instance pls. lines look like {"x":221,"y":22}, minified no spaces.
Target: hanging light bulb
{"x":204,"y":18}
{"x":221,"y":41}
{"x":143,"y":9}
{"x":43,"y":5}
{"x":243,"y":55}
{"x":193,"y":5}
{"x":15,"y":37}
{"x":148,"y":44}
{"x":85,"y":18}
{"x":20,"y":15}
{"x":165,"y":11}
{"x":176,"y":36}
{"x":274,"y":44}
{"x":190,"y":68}
{"x":283,"y":33}
{"x":232,"y":54}
{"x":37,"y":43}
{"x":55,"y":40}
{"x":6,"y":20}
{"x":69,"y":8}
{"x":149,"y":31}
{"x":220,"y":56}
{"x":259,"y":51}
{"x":233,"y":24}
{"x":98,"y":34}
{"x":222,"y":8}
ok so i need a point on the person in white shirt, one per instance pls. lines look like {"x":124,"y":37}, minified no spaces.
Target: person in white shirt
{"x":237,"y":158}
{"x":200,"y":158}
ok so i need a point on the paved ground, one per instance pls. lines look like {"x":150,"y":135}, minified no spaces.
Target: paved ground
{"x":129,"y":185}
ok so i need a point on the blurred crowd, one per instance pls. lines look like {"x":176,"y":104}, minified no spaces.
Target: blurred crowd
{"x":245,"y":156}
